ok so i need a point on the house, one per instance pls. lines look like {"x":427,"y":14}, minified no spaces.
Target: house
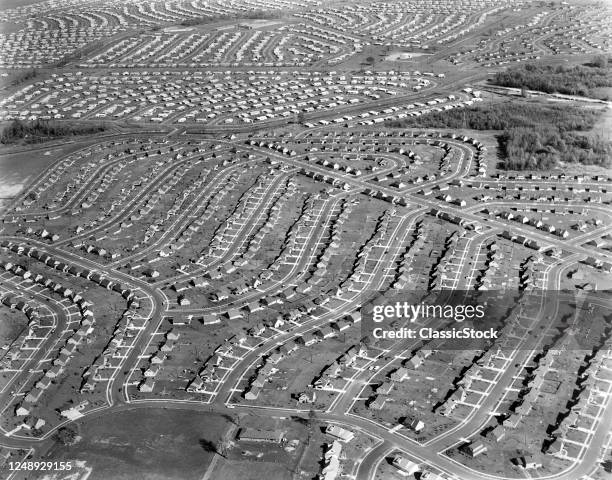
{"x":329,"y":384}
{"x":43,"y":383}
{"x":33,"y":423}
{"x":529,"y":461}
{"x":258,"y":329}
{"x":210,"y":319}
{"x":259,"y":381}
{"x":341,"y":325}
{"x":33,"y":395}
{"x":146,"y":386}
{"x":61,"y":360}
{"x":458,"y":395}
{"x":474,"y":448}
{"x":72,"y":412}
{"x":252,"y":393}
{"x":307,"y":339}
{"x":153,"y":370}
{"x":290,"y":346}
{"x":415,"y":361}
{"x":399,"y":375}
{"x":21,"y":411}
{"x":239,"y":338}
{"x":307,"y":398}
{"x":408,"y":467}
{"x":362,"y":351}
{"x":429,"y":475}
{"x":268,"y":369}
{"x":555,"y":447}
{"x":172,"y":335}
{"x":512,"y":421}
{"x":168,"y":346}
{"x":325,"y":332}
{"x":233,"y":314}
{"x":252,"y":307}
{"x":339,"y":433}
{"x":413,"y":423}
{"x":54,"y":371}
{"x":377,"y":402}
{"x":275,"y":358}
{"x":384,"y":388}
{"x":158,"y":358}
{"x":199,"y":281}
{"x":261,"y":435}
{"x":196,"y":385}
{"x":496,"y":434}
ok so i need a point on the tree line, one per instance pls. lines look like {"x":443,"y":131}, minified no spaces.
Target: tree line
{"x":532,"y":135}
{"x":253,"y":15}
{"x":40,"y":130}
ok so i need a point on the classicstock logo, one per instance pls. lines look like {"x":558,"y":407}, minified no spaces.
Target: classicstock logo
{"x":470,"y":320}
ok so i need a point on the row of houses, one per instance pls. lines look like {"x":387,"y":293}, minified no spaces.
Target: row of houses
{"x":331,"y":377}
{"x":194,"y":97}
{"x":125,"y":330}
{"x":383,"y":392}
{"x":523,"y":240}
{"x":66,"y":350}
{"x":330,"y":246}
{"x":156,"y":360}
{"x":362,"y":267}
{"x":587,"y":382}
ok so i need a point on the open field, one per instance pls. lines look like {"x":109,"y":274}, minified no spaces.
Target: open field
{"x":158,"y":443}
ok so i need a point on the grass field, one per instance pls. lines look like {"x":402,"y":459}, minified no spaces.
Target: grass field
{"x":17,"y":169}
{"x":145,"y":444}
{"x":250,"y":471}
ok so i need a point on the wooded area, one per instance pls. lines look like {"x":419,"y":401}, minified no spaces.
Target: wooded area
{"x":532,"y":135}
{"x":40,"y":130}
{"x":570,"y":80}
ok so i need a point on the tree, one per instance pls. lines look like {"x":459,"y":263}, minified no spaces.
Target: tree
{"x":229,"y":418}
{"x":66,"y":435}
{"x":370,"y":60}
{"x":210,"y":447}
{"x":312,"y":419}
{"x":600,"y":61}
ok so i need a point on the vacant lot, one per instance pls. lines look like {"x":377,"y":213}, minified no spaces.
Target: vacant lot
{"x":146,"y":444}
{"x":250,"y":470}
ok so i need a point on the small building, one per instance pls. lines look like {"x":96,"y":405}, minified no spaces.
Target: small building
{"x":408,"y":467}
{"x":340,"y":433}
{"x":147,"y":385}
{"x":496,"y":434}
{"x":414,"y":423}
{"x":377,"y":402}
{"x":399,"y":375}
{"x":252,"y":393}
{"x":261,"y":435}
{"x":474,"y":448}
{"x":530,"y":461}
